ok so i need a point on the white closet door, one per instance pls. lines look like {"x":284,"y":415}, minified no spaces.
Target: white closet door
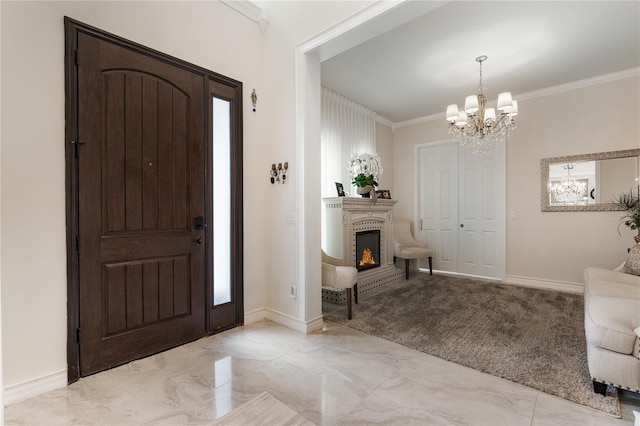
{"x":438,"y":189}
{"x":461,"y":209}
{"x":481,"y":236}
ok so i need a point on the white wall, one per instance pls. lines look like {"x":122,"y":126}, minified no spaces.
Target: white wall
{"x":208,"y":34}
{"x":547,"y":246}
{"x":291,"y":23}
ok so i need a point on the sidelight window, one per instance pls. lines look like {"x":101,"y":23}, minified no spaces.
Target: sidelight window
{"x":221,"y":201}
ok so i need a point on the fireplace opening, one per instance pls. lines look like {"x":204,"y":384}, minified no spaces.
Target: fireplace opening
{"x":367,"y":249}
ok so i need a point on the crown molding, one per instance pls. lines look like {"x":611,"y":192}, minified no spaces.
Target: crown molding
{"x":593,"y":81}
{"x":419,"y":120}
{"x":251,"y":11}
{"x":366,"y":14}
{"x":386,"y":122}
{"x":553,"y":90}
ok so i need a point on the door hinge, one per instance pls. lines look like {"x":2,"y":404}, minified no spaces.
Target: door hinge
{"x":77,"y":59}
{"x":77,"y":242}
{"x":78,"y":335}
{"x":77,"y":147}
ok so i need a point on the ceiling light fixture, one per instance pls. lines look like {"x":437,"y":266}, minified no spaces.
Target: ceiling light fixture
{"x":478,"y":127}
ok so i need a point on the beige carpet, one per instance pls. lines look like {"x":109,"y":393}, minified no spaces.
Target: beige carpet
{"x":529,"y":336}
{"x":264,"y":410}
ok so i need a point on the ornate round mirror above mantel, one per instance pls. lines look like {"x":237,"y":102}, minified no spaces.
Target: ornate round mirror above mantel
{"x":588,"y":182}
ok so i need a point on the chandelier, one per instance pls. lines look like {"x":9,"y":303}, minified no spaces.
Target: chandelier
{"x":569,"y":190}
{"x":478,"y":127}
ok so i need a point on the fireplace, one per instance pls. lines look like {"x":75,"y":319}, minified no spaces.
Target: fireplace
{"x":368,"y":249}
{"x":349,"y":222}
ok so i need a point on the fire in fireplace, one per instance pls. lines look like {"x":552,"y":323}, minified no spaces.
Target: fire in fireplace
{"x":367,"y":249}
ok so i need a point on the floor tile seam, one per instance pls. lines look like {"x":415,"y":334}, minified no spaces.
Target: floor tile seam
{"x":586,"y":407}
{"x":535,"y":407}
{"x":371,"y":392}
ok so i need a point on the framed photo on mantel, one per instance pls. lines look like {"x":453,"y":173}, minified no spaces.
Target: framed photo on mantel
{"x":340,"y":189}
{"x":384,"y":194}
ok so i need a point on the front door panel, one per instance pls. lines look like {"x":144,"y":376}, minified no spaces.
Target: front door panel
{"x":141,"y":184}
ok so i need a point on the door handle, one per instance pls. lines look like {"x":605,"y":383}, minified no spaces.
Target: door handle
{"x":462,"y":225}
{"x":198,"y":240}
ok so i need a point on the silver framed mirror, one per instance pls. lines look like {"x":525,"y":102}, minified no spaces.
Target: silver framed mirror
{"x":588,"y":182}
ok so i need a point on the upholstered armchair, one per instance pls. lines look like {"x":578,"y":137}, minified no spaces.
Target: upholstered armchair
{"x":406,"y":247}
{"x":335,"y":274}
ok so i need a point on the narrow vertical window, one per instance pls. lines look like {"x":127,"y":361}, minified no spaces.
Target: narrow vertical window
{"x":221,"y":201}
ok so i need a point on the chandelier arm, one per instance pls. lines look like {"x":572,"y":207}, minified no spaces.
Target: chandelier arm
{"x":502,"y":122}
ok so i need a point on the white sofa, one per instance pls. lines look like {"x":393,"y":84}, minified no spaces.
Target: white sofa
{"x":612,"y":328}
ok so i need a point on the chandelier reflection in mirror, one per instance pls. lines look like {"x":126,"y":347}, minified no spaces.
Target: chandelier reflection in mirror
{"x":569,"y":190}
{"x":478,"y":127}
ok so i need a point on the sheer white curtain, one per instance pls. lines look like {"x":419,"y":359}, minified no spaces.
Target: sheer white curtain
{"x":347,"y":128}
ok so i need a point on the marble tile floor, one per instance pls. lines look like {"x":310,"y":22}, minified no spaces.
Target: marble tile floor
{"x":335,"y":377}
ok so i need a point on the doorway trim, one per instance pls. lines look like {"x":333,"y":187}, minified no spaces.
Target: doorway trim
{"x":308,"y":56}
{"x":72,"y":28}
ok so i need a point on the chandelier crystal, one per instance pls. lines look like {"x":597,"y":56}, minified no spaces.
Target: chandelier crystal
{"x":569,"y":190}
{"x":477,"y":127}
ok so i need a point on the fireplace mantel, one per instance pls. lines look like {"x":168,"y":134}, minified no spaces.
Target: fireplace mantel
{"x":362,"y":204}
{"x":347,"y":215}
{"x":344,"y":217}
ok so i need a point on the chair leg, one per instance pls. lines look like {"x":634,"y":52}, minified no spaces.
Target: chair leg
{"x":600,"y":388}
{"x":355,"y":293}
{"x":348,"y":303}
{"x":406,"y":268}
{"x":430,"y":266}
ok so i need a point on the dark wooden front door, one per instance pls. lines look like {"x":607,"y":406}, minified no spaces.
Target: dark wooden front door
{"x":141,"y":186}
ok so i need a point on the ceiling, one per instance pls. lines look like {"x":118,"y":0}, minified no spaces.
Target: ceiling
{"x":420,"y":66}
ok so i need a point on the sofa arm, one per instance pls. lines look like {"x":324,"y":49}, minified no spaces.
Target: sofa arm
{"x":603,"y":282}
{"x":611,"y":323}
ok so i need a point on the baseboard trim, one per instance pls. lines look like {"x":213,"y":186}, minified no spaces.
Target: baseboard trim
{"x":20,"y":392}
{"x":316,"y":324}
{"x":458,"y":274}
{"x":566,"y":287}
{"x":254,"y":316}
{"x":284,"y":319}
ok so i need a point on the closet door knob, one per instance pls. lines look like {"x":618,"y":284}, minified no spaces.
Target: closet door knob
{"x":462,"y":225}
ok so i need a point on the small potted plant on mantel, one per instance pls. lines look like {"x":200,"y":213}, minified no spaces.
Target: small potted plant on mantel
{"x":630,"y":203}
{"x":365,"y":170}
